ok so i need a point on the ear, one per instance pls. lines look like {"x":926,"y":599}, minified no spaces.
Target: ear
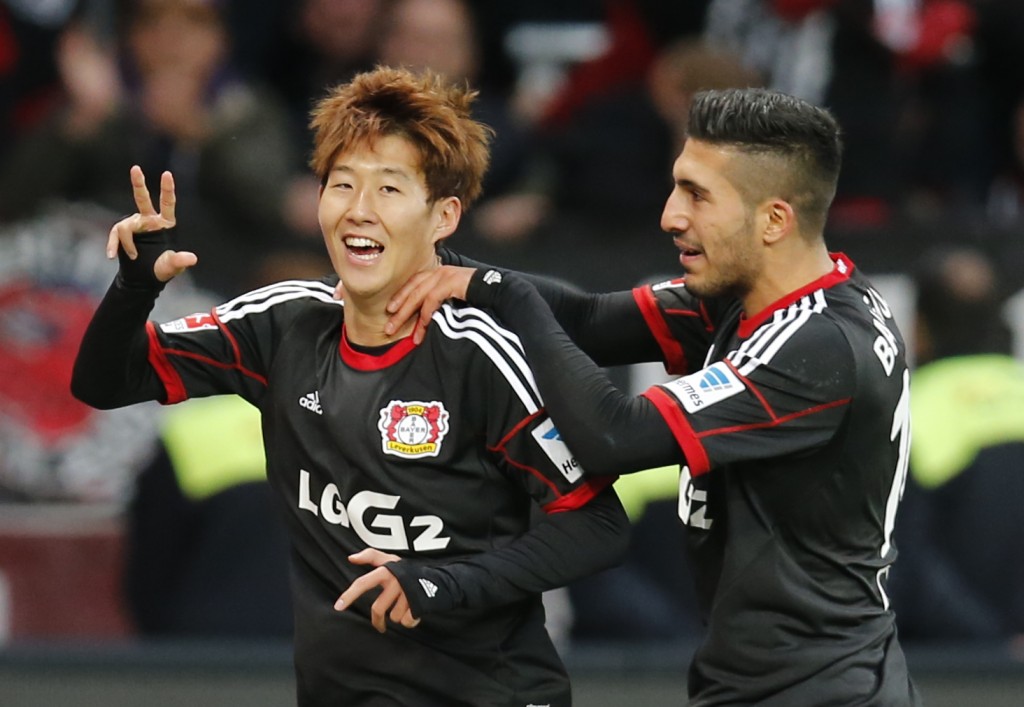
{"x":778,"y":219}
{"x":448,"y":213}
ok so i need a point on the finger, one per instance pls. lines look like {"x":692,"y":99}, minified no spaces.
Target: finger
{"x":167,"y":198}
{"x":372,"y":556}
{"x":419,"y":332}
{"x":339,"y":291}
{"x":172,"y":263}
{"x":409,"y":301}
{"x":410,"y":621}
{"x":141,"y":193}
{"x":401,"y":298}
{"x":400,"y":609}
{"x":123,"y":235}
{"x":382,"y":606}
{"x":112,"y":242}
{"x":354,"y":591}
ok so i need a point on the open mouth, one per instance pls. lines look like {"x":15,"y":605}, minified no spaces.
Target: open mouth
{"x":363,"y":248}
{"x":688,"y":251}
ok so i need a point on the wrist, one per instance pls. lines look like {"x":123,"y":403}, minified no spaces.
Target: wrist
{"x":138,"y":274}
{"x":485,"y":287}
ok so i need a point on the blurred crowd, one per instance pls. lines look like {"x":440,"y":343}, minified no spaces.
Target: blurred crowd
{"x":588,"y":100}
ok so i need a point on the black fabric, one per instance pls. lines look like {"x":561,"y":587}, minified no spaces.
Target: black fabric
{"x":347,"y":476}
{"x":607,"y":326}
{"x":610,"y":431}
{"x":111,"y":369}
{"x":534,"y":563}
{"x":138,"y":273}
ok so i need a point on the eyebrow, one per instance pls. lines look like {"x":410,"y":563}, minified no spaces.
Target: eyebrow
{"x":387,"y":171}
{"x":689,"y":184}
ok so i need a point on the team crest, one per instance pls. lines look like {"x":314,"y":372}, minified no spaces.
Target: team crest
{"x":413,"y":429}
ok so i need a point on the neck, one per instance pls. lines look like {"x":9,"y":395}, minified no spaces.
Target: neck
{"x":785,"y":275}
{"x":364,"y":323}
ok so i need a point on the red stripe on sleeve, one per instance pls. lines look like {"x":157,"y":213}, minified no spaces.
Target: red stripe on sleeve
{"x":675,"y":357}
{"x":693,"y":450}
{"x":580,"y":496}
{"x":161,"y":364}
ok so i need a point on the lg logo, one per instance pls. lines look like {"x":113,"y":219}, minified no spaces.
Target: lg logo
{"x":362,"y":513}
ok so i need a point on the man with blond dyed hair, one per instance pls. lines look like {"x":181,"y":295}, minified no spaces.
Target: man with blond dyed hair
{"x":415,"y":470}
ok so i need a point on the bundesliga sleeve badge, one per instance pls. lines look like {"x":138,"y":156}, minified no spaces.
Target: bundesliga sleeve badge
{"x":413,"y":430}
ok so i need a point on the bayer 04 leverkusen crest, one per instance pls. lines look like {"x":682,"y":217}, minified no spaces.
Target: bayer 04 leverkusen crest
{"x":413,"y":429}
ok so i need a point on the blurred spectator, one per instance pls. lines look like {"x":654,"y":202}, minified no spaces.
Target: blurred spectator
{"x":53,"y":448}
{"x":442,"y":35}
{"x":326,"y":42}
{"x":323,"y":43}
{"x":206,"y":551}
{"x":960,"y":531}
{"x":1001,"y":40}
{"x":29,"y":82}
{"x":173,"y":102}
{"x":826,"y":52}
{"x":613,"y":160}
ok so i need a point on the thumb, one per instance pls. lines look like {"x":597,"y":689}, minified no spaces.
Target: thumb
{"x":339,"y":291}
{"x":172,"y":263}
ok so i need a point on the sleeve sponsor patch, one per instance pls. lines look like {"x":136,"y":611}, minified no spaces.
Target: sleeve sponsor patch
{"x":551,"y":442}
{"x":706,"y":387}
{"x":193,"y":322}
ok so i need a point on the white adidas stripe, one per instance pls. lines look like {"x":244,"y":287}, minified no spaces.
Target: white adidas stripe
{"x":284,"y":285}
{"x":510,"y":344}
{"x":771,"y":337}
{"x":495,"y":343}
{"x":266,"y":297}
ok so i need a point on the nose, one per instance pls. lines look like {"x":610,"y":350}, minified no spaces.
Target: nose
{"x":675,"y":218}
{"x":361,"y":207}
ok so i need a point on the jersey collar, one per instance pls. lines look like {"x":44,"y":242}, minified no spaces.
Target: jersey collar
{"x":841,"y":272}
{"x":382,"y":357}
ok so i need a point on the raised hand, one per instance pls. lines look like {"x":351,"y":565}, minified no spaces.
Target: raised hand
{"x":170,"y":263}
{"x":391,"y":603}
{"x":423,"y":294}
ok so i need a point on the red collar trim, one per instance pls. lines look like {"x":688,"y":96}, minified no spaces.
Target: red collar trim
{"x":373,"y":362}
{"x":840,"y":273}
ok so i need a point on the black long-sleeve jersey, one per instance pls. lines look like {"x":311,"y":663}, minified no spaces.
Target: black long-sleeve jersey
{"x":436,"y":453}
{"x":793,"y":429}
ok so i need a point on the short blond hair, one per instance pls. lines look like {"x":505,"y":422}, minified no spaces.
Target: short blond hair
{"x":424,"y":108}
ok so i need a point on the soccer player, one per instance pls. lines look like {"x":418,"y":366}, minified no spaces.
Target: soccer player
{"x":791,"y":417}
{"x":425,"y":463}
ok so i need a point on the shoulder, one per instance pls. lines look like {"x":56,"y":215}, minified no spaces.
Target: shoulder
{"x":281,"y":299}
{"x":475,"y":338}
{"x":480,"y":328}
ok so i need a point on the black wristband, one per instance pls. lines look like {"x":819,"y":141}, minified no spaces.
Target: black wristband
{"x":425,"y":587}
{"x":138,"y":274}
{"x":484,"y":287}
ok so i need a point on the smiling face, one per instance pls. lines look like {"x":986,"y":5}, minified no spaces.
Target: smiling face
{"x":377,"y":221}
{"x":713,"y":226}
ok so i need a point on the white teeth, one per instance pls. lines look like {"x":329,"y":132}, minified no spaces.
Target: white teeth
{"x":359,"y":242}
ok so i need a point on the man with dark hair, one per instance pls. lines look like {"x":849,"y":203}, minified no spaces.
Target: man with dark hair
{"x":427,"y":464}
{"x":791,"y":417}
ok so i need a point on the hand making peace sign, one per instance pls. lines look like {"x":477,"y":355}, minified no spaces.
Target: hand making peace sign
{"x":170,"y":263}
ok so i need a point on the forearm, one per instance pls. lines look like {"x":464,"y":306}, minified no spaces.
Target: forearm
{"x":112,"y":366}
{"x":562,"y":548}
{"x":608,"y":327}
{"x":608,"y":431}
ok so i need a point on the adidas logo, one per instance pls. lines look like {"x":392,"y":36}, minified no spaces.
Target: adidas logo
{"x":311,"y":401}
{"x":714,"y":379}
{"x":492,"y":277}
{"x":429,"y":587}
